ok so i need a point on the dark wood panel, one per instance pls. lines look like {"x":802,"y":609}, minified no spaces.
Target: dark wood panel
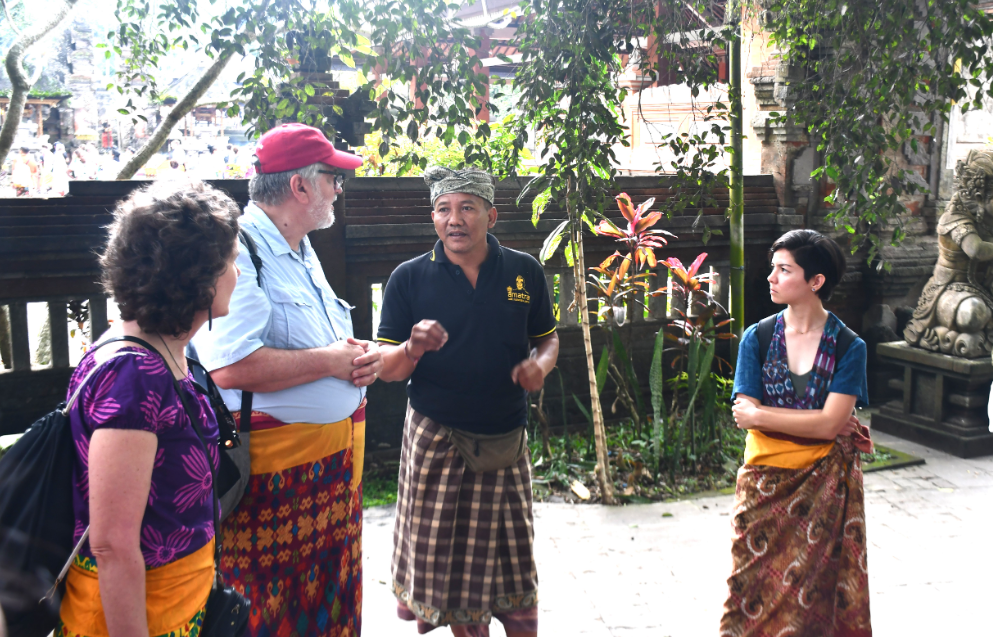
{"x":56,"y":220}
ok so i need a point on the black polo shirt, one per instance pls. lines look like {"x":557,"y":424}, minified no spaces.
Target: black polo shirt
{"x":466,"y":384}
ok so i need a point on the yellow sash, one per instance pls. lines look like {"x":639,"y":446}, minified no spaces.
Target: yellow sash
{"x":298,"y":443}
{"x":173,"y":594}
{"x":772,"y":452}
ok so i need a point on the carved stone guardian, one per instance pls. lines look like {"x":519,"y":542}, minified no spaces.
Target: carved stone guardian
{"x":955,"y":313}
{"x":945,"y":384}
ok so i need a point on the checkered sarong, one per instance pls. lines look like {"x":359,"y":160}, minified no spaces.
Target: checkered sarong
{"x":463,"y":542}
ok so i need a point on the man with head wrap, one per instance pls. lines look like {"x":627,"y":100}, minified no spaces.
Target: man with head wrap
{"x":460,"y":322}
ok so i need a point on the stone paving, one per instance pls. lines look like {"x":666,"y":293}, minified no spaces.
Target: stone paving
{"x":660,"y":569}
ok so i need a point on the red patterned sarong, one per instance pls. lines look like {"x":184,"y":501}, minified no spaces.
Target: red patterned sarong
{"x":293,"y":546}
{"x":800,"y":551}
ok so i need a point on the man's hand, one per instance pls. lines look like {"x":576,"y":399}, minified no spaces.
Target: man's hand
{"x":341,"y":359}
{"x":368,"y":365}
{"x":529,"y":375}
{"x":426,"y":336}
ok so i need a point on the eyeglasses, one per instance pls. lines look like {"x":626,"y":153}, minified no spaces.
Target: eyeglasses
{"x":339,"y":179}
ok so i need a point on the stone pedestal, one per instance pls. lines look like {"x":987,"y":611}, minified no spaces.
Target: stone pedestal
{"x":944,"y":400}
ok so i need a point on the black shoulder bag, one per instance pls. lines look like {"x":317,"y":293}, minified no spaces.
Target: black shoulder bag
{"x":37,"y":521}
{"x":227,"y":609}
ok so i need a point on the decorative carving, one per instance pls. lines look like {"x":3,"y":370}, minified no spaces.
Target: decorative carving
{"x":955,"y":313}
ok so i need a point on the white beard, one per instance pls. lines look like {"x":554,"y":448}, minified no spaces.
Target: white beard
{"x":322,"y":211}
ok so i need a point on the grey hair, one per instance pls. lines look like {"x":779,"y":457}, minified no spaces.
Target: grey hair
{"x":273,"y":188}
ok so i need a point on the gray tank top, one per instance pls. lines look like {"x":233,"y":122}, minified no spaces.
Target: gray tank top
{"x":800,"y":383}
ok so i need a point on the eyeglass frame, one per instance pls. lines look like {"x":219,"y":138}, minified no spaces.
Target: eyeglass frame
{"x":339,"y":179}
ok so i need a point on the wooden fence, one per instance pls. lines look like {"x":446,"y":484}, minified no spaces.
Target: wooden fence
{"x":48,"y":254}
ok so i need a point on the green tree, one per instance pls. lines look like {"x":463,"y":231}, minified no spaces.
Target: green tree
{"x":869,"y":76}
{"x":22,"y":79}
{"x":572,"y":56}
{"x":414,"y":42}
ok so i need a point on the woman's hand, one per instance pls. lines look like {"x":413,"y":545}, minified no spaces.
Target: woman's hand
{"x":746,"y":413}
{"x":851,"y":426}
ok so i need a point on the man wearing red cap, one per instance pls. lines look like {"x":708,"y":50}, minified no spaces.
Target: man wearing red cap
{"x":290,"y":367}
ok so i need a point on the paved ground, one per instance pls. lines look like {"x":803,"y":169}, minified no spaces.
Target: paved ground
{"x":633,"y":571}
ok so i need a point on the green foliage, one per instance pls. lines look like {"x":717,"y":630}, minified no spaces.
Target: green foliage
{"x":379,"y":484}
{"x":40,"y":94}
{"x":413,"y":42}
{"x":573,"y":52}
{"x":570,"y":457}
{"x":699,"y":415}
{"x":432,"y":149}
{"x":869,"y":76}
{"x":423,"y":46}
{"x":656,"y":382}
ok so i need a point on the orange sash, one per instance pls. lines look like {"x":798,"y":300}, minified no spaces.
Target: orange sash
{"x":761,"y":449}
{"x":279,"y":448}
{"x":174,"y":593}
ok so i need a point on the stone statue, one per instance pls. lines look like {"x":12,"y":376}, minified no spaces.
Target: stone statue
{"x":955,"y":313}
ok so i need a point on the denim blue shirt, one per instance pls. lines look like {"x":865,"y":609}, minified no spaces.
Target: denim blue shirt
{"x":294,"y":309}
{"x":849,"y":373}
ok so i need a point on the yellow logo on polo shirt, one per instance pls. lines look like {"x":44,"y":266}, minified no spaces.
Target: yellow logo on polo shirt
{"x":520,"y":294}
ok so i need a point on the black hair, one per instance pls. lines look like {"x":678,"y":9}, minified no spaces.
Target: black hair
{"x":816,"y":254}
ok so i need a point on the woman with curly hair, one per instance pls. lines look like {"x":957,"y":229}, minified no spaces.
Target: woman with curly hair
{"x":799,"y":517}
{"x":143,"y":482}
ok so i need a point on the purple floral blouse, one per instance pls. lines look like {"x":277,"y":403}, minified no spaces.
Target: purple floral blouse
{"x":135,"y":391}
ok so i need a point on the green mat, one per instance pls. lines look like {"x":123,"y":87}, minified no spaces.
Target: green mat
{"x":887,"y":458}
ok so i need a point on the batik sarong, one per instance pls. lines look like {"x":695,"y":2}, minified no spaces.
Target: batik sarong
{"x":463,"y":541}
{"x":293,"y":546}
{"x":175,"y":597}
{"x":800,"y":550}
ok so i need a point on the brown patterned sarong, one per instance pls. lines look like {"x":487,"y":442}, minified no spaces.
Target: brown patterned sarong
{"x":800,"y":551}
{"x":463,"y":541}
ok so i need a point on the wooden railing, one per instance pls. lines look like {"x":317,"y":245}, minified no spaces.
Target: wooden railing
{"x":48,"y":254}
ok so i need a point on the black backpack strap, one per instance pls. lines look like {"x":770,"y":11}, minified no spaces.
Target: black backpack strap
{"x":129,"y":339}
{"x":846,"y":336}
{"x":766,"y":328}
{"x":253,"y":253}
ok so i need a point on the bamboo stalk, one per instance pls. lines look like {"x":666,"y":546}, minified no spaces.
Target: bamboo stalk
{"x":737,"y":194}
{"x":599,"y":433}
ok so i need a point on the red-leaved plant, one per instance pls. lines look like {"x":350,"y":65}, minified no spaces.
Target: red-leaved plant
{"x":615,"y":281}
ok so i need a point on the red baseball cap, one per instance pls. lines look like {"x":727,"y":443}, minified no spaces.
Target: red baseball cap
{"x":293,"y":146}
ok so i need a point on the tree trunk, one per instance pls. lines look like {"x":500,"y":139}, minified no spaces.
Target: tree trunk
{"x":20,"y":83}
{"x":177,"y":113}
{"x":599,"y":433}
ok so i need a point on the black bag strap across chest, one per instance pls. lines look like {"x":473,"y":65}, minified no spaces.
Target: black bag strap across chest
{"x":767,"y":328}
{"x":253,"y":254}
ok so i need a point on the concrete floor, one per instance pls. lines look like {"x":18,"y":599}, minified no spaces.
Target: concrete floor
{"x":633,"y":571}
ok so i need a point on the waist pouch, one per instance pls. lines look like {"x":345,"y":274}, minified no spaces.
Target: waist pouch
{"x":488,"y":452}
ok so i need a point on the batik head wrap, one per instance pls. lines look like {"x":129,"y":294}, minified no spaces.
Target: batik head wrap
{"x":471,"y":181}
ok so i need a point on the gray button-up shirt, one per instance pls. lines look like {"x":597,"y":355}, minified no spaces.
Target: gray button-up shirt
{"x":294,"y":309}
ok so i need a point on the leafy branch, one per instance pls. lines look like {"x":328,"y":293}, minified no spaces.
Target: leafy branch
{"x":868,"y":77}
